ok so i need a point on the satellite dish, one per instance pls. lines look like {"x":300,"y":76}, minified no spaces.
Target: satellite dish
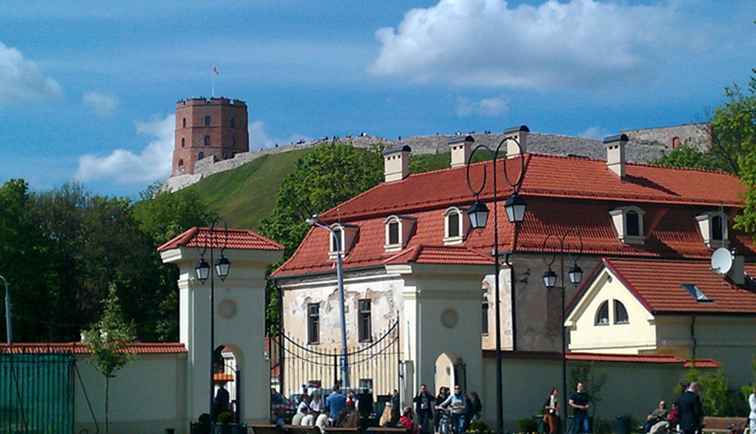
{"x":721,"y":261}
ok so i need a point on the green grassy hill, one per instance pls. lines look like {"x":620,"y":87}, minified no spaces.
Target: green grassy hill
{"x":246,"y":195}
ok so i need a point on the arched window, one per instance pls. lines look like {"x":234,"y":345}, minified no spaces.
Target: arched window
{"x":201,"y":155}
{"x":183,"y":123}
{"x":183,"y":142}
{"x":602,"y":314}
{"x":207,"y":121}
{"x":620,"y":313}
{"x":717,"y":228}
{"x":207,"y":140}
{"x":454,"y":226}
{"x":337,"y":240}
{"x":392,"y":236}
{"x":632,"y":224}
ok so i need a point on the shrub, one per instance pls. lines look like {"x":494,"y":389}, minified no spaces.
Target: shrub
{"x":527,"y":424}
{"x":479,"y":426}
{"x":225,"y":417}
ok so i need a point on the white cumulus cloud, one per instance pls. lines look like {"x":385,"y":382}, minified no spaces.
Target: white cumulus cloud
{"x":123,"y":166}
{"x":492,"y":106}
{"x":21,"y":79}
{"x":259,"y":137}
{"x":101,"y":103}
{"x":490,"y":43}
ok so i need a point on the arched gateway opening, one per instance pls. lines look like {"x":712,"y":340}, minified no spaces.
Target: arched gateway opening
{"x":450,"y":371}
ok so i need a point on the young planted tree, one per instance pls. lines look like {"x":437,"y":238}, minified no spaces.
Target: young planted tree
{"x":108,"y":340}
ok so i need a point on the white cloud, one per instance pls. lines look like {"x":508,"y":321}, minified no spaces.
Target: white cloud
{"x":259,"y":137}
{"x":21,"y":79}
{"x":101,"y":103}
{"x":489,"y":43}
{"x":594,"y":132}
{"x":492,"y":106}
{"x":123,"y":166}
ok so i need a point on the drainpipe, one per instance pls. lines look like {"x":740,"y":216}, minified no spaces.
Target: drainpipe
{"x":693,"y":338}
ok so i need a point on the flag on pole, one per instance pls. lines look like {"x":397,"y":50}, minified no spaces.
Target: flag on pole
{"x":216,"y":71}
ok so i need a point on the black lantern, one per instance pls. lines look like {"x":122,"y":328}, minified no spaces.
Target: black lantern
{"x":222,"y":267}
{"x":478,"y":214}
{"x":575,"y":274}
{"x":203,"y":270}
{"x":515,"y":207}
{"x":549,"y":279}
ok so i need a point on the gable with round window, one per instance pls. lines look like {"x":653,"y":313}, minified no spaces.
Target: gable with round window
{"x":602,"y":314}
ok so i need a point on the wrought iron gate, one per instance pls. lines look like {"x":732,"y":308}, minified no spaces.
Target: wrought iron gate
{"x":37,"y":393}
{"x":374,"y":364}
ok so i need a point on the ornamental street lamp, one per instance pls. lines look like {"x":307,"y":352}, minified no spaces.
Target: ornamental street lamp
{"x":478,"y":214}
{"x":575,"y":276}
{"x":203,"y":272}
{"x":335,"y":236}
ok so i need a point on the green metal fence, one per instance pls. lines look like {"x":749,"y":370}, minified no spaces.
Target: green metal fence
{"x":37,"y":393}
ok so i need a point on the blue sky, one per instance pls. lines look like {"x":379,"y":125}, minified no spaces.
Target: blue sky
{"x":87,"y":88}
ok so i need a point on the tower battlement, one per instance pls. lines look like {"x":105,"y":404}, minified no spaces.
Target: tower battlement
{"x":208,"y":128}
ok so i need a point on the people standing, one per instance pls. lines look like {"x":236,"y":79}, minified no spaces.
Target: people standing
{"x":551,"y":411}
{"x":580,"y":403}
{"x":365,"y":407}
{"x":395,"y":407}
{"x":752,"y":415}
{"x":458,"y":407}
{"x":476,"y":407}
{"x":424,"y":409}
{"x":443,"y":393}
{"x":690,"y":409}
{"x":335,"y":404}
{"x":221,"y":401}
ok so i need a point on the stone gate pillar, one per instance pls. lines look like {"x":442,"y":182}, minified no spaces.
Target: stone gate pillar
{"x":239,"y":314}
{"x":441,"y":315}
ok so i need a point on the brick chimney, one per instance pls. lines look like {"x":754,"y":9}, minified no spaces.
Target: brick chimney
{"x":521,"y":135}
{"x":396,"y":162}
{"x":615,"y":153}
{"x":461,"y":147}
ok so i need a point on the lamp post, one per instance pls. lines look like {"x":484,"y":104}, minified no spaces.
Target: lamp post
{"x":314,"y":221}
{"x":222,"y":267}
{"x":575,"y":276}
{"x":8,"y":308}
{"x":478,"y":213}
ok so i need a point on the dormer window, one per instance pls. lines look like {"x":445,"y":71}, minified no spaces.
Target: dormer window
{"x":342,"y":239}
{"x":713,"y":228}
{"x":628,"y":222}
{"x":455,"y":226}
{"x":398,"y":231}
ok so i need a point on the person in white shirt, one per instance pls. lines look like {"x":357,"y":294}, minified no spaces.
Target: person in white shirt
{"x":752,"y":404}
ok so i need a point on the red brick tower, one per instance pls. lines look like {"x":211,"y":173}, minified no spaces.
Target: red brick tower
{"x":214,"y":127}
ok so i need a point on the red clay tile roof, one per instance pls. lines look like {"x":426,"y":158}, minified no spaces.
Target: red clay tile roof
{"x":662,"y":359}
{"x":242,"y":239}
{"x":80,"y":348}
{"x":422,"y":254}
{"x":549,"y":176}
{"x":657,"y":285}
{"x":671,"y":232}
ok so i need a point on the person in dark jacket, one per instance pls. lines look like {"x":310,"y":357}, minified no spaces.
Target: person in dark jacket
{"x":395,"y":407}
{"x":424,"y":404}
{"x":365,"y":407}
{"x":691,"y":410}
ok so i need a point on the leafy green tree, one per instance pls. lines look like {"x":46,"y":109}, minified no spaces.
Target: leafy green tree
{"x":325,"y":177}
{"x":714,"y":391}
{"x":692,"y":157}
{"x":108,"y":340}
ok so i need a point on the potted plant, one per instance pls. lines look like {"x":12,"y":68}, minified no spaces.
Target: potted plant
{"x":226,"y":424}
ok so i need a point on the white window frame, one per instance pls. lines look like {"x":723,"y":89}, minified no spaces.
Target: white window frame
{"x":706,"y":229}
{"x":615,"y":303}
{"x":348,"y":236}
{"x":608,"y":314}
{"x":406,"y":226}
{"x":463,"y":226}
{"x":619,"y":219}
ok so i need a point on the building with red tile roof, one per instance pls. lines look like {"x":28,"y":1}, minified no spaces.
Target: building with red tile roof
{"x":414,"y":227}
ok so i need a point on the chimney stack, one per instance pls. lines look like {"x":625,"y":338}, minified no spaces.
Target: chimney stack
{"x":396,"y":162}
{"x":461,"y":147}
{"x":615,"y":153}
{"x":521,"y":135}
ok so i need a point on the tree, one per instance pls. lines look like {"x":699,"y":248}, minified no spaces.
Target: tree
{"x":108,"y":340}
{"x":692,"y":157}
{"x":325,"y":177}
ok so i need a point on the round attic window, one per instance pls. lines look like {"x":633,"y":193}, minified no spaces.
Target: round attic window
{"x":449,"y":318}
{"x":227,"y":308}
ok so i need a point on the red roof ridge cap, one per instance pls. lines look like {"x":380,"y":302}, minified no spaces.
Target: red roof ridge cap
{"x":178,"y":239}
{"x":626,"y":283}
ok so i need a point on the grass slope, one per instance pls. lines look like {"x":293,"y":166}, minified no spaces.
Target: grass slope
{"x":246,"y":195}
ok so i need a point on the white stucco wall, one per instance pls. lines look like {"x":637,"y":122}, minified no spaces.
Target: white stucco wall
{"x":146,"y":397}
{"x":638,"y":335}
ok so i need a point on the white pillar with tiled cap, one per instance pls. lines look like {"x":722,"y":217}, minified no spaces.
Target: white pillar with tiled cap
{"x":239,"y":314}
